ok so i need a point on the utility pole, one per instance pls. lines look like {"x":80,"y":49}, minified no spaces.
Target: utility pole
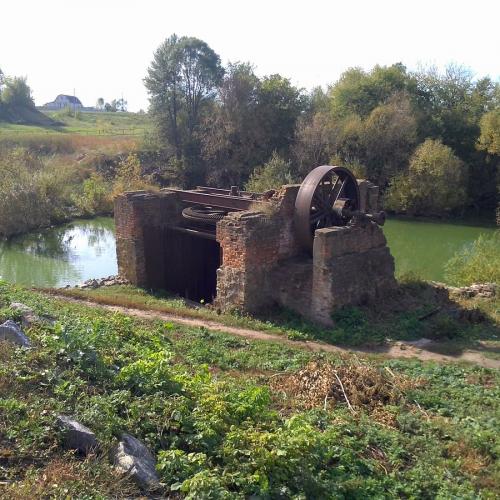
{"x":74,"y":102}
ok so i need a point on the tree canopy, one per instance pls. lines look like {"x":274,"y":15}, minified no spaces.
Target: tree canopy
{"x":226,"y":126}
{"x":183,"y":75}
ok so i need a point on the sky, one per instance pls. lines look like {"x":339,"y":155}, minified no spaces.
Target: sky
{"x":103,"y":48}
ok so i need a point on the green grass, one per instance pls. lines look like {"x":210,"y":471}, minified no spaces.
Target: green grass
{"x":207,"y":405}
{"x":85,"y":123}
{"x":402,"y":316}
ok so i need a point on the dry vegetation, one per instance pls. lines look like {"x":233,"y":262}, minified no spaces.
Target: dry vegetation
{"x":355,"y":383}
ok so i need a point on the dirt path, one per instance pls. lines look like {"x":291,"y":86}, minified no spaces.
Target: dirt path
{"x":393,"y":350}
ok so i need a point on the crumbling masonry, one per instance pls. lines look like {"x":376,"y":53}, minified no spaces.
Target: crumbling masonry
{"x":253,"y":259}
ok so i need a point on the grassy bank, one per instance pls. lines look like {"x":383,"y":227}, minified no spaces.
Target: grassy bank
{"x":415,"y":310}
{"x":231,"y":418}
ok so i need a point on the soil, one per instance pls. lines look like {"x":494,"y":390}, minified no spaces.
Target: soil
{"x":392,"y":350}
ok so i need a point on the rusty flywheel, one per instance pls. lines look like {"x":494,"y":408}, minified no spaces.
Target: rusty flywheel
{"x":325,"y":198}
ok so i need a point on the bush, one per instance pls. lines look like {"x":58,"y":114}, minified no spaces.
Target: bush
{"x":129,"y":176}
{"x":478,"y":263}
{"x":95,"y":198}
{"x":434,"y":185}
{"x":31,"y":193}
{"x":274,"y":174}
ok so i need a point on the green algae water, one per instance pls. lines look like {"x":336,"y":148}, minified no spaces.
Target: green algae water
{"x":60,"y":256}
{"x":424,"y":247}
{"x":84,"y":249}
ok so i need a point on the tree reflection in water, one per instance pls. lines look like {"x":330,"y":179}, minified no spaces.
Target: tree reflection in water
{"x":62,"y":255}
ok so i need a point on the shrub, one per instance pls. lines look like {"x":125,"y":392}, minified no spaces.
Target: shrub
{"x":478,"y":263}
{"x":95,"y":198}
{"x":272,"y":175}
{"x":31,"y":193}
{"x":129,"y":176}
{"x":434,"y":185}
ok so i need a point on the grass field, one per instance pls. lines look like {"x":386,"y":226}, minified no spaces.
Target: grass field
{"x":232,"y":418}
{"x":85,"y":123}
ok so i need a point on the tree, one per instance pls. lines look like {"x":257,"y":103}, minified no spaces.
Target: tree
{"x":279,"y":106}
{"x":314,"y":142}
{"x":182,"y":77}
{"x":389,"y":136}
{"x":120,"y":104}
{"x":359,"y":92}
{"x":435,"y":183}
{"x":489,"y":140}
{"x":100,"y":104}
{"x":110,"y":107}
{"x":231,"y":135}
{"x":17,"y":92}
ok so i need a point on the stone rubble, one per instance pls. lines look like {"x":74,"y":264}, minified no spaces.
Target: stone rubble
{"x":76,"y":436}
{"x":476,"y":290}
{"x":11,"y":332}
{"x":100,"y":282}
{"x":130,"y":456}
{"x":479,"y":290}
{"x":28,"y":316}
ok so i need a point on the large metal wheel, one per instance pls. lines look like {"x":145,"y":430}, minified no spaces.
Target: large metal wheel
{"x":321,"y":201}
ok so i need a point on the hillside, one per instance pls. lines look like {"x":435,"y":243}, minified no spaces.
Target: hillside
{"x":25,"y":115}
{"x":34,"y":121}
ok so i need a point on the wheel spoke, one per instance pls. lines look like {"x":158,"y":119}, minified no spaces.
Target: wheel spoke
{"x":331,"y":196}
{"x":317,"y":216}
{"x":341,"y":189}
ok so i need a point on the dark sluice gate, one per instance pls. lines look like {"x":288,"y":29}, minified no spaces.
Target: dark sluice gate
{"x":183,"y":264}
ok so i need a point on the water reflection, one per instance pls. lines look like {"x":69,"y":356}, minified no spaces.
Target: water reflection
{"x":59,"y":256}
{"x":85,"y":249}
{"x":425,"y":247}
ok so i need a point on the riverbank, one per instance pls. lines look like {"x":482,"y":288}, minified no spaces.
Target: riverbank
{"x":236,"y":415}
{"x":450,"y":320}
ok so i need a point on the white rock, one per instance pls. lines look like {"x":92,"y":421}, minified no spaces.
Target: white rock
{"x":132,"y":457}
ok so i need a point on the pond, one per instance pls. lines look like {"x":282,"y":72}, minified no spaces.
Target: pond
{"x":424,"y":247}
{"x":84,"y":249}
{"x":63,"y":255}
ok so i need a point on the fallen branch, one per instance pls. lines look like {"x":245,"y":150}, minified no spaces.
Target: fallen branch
{"x":343,"y":392}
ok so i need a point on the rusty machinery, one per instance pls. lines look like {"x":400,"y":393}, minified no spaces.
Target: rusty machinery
{"x":328,"y":196}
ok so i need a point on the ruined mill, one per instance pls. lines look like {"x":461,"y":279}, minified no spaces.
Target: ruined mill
{"x":310,"y":247}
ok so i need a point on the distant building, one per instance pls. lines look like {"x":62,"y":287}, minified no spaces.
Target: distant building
{"x":64,"y":101}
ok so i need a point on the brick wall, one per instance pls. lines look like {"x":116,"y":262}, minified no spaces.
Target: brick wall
{"x":262,"y":262}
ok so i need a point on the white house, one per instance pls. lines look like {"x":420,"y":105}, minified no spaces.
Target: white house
{"x":64,"y":101}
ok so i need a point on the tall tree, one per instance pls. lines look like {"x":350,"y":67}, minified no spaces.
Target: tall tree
{"x":280,"y":105}
{"x":231,"y":135}
{"x":182,"y":77}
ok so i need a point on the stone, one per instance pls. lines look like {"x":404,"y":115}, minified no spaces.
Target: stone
{"x":479,"y":290}
{"x":11,"y":332}
{"x":76,"y":436}
{"x":28,"y":316}
{"x":132,"y":457}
